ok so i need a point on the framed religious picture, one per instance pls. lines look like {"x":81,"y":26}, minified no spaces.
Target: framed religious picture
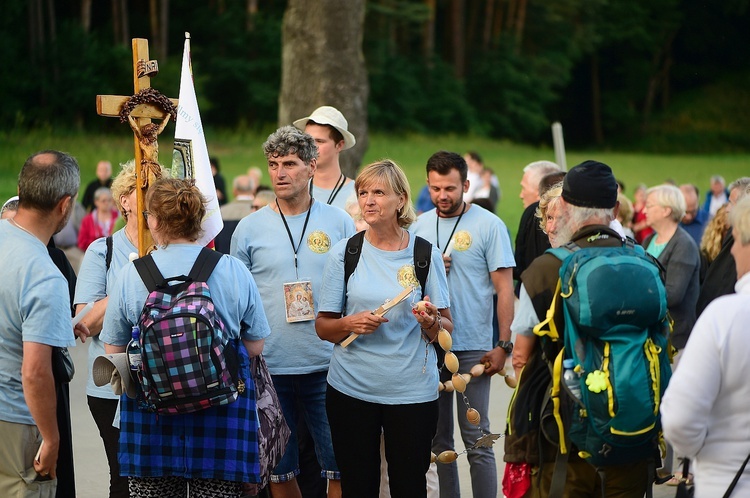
{"x":298,"y":301}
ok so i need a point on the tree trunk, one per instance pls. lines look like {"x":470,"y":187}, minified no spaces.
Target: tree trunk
{"x":326,"y":69}
{"x":164,"y":30}
{"x":153,"y":18}
{"x":520,"y":23}
{"x":428,"y":40}
{"x":489,"y":16}
{"x":252,"y":11}
{"x":86,"y":15}
{"x":596,"y":101}
{"x":458,"y":38}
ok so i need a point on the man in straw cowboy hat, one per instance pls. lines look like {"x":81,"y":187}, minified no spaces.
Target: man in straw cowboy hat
{"x":330,"y":130}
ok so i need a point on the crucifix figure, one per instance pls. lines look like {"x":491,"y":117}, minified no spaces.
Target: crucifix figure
{"x":138,"y":110}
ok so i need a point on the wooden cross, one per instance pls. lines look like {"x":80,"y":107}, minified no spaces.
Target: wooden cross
{"x":142,"y":114}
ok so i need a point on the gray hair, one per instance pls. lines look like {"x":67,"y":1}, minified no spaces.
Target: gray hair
{"x":46,"y":178}
{"x":742,"y":184}
{"x":670,"y":197}
{"x":718,"y":179}
{"x":579,"y":216}
{"x":289,"y":140}
{"x":102,"y":191}
{"x":739,"y":217}
{"x":243,"y":183}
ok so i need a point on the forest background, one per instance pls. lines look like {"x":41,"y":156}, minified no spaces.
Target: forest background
{"x":665,"y":77}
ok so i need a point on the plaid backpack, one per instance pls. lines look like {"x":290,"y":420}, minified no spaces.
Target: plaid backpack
{"x":187,"y":366}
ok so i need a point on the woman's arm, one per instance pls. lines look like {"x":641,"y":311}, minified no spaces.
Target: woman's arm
{"x":335,"y":328}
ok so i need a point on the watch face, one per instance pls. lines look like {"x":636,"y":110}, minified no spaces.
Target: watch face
{"x":506,"y":346}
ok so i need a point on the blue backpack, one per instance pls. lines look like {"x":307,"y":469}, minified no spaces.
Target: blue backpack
{"x":616,"y":332}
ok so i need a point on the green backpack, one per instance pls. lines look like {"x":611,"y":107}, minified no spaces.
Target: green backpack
{"x":616,"y":332}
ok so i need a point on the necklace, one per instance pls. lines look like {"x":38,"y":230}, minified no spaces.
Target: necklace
{"x":400,"y":241}
{"x":12,"y":220}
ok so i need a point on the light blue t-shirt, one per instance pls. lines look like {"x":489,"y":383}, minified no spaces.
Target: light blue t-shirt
{"x":233,"y":292}
{"x":482,"y":246}
{"x":384,"y":367}
{"x":94,"y":283}
{"x":34,"y":307}
{"x":262,"y":243}
{"x":322,"y":195}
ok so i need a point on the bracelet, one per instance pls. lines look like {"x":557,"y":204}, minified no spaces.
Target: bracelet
{"x":437,"y":320}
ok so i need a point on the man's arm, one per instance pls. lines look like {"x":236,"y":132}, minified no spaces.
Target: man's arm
{"x":39,"y":392}
{"x":502,"y":280}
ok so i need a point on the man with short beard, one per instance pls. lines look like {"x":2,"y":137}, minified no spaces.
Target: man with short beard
{"x":480,"y":264}
{"x":586,"y":207}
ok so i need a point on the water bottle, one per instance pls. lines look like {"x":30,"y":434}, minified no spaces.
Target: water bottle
{"x":135,"y":359}
{"x":570,"y":377}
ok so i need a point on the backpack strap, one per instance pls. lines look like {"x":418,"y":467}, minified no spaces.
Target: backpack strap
{"x":204,"y":265}
{"x":351,"y":256}
{"x":149,"y":272}
{"x":422,"y":259}
{"x":108,"y":254}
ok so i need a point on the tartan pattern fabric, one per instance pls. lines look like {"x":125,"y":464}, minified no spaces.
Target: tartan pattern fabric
{"x":220,"y":442}
{"x":184,"y":365}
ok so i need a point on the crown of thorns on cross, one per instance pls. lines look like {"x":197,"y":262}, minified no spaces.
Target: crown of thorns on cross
{"x":148,"y":96}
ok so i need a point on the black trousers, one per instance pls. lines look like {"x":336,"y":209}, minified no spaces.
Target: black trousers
{"x":103,"y":410}
{"x":356,"y":427}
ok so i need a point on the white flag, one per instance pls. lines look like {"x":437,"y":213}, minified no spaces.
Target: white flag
{"x":190,"y":157}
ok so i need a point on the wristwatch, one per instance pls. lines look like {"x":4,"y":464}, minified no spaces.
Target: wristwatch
{"x":506,"y":346}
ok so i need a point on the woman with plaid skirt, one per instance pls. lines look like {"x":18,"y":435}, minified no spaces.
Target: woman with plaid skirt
{"x":209,"y":452}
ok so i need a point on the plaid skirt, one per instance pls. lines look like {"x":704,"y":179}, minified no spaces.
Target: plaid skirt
{"x":220,"y":442}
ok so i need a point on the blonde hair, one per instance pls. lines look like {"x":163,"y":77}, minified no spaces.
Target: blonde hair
{"x":389,"y":173}
{"x":550,"y":196}
{"x":125,"y":182}
{"x":714,"y":234}
{"x":740,"y":219}
{"x":625,"y":214}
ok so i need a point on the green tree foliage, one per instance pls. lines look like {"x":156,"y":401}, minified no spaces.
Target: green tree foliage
{"x":609,"y":70}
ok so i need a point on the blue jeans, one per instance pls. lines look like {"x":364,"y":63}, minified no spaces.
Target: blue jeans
{"x":305,"y":393}
{"x":482,"y":465}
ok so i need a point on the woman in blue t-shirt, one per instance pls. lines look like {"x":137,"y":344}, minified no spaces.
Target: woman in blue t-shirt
{"x":385,"y":382}
{"x":215,"y":449}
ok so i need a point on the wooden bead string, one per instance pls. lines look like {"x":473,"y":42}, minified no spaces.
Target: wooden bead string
{"x":458,"y":383}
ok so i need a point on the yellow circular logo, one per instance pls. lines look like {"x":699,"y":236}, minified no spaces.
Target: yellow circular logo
{"x":407,"y":277}
{"x":463,"y":240}
{"x":319,"y":242}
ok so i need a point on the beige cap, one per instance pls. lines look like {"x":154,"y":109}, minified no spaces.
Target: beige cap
{"x":327,"y":115}
{"x":114,"y":369}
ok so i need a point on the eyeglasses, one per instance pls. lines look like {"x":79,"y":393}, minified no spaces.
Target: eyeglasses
{"x":146,"y":214}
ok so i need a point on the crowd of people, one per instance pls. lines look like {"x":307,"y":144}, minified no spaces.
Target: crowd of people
{"x":305,"y":266}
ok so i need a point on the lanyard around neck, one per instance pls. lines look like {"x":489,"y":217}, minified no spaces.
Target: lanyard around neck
{"x":336,"y":188}
{"x":437,"y":227}
{"x":289,"y":232}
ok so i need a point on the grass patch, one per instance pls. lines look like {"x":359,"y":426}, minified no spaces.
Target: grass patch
{"x":239,"y":150}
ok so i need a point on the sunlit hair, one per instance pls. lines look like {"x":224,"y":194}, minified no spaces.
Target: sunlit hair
{"x":179,"y":208}
{"x":546,"y":200}
{"x":714,"y":233}
{"x":742,"y":184}
{"x":625,"y":214}
{"x":288,"y":140}
{"x":671,"y":197}
{"x":124,"y":184}
{"x":740,"y":220}
{"x":46,"y":178}
{"x":388,"y":173}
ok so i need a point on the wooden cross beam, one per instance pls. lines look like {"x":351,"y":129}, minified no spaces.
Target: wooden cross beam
{"x":144,"y":133}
